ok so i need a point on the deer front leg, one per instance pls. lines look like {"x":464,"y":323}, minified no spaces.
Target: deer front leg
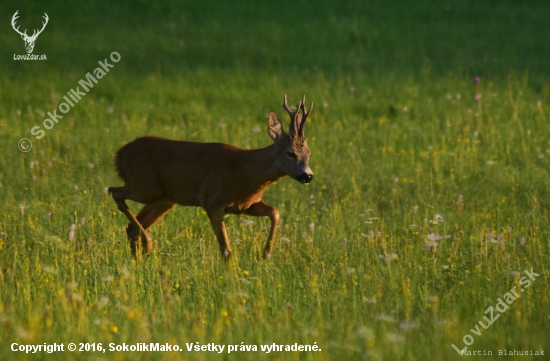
{"x":216,"y":220}
{"x":262,"y":209}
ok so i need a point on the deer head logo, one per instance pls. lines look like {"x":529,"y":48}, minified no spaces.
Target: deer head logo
{"x":29,"y":40}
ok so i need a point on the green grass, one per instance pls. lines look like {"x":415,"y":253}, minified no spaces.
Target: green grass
{"x":397,"y":136}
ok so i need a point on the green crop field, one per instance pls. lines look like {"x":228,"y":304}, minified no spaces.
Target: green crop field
{"x":426,"y":226}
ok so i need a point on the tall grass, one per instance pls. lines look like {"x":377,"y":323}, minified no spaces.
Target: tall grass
{"x":430,"y":198}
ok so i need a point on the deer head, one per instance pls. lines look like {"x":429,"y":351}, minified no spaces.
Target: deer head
{"x":292,"y":146}
{"x":29,"y":40}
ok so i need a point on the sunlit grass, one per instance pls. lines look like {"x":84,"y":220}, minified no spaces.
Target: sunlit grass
{"x":430,"y":196}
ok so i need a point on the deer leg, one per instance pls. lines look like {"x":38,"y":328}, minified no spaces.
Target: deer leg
{"x":216,"y":219}
{"x":262,"y":209}
{"x":118,"y":194}
{"x":149,"y":215}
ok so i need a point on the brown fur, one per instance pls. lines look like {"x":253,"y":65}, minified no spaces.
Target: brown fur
{"x":220,"y":178}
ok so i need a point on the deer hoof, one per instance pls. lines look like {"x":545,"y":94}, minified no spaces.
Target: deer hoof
{"x":147,"y":243}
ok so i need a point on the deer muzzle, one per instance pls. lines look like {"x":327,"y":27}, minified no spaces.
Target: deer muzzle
{"x":305,"y":178}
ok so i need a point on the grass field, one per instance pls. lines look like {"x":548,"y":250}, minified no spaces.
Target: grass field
{"x":431,"y":194}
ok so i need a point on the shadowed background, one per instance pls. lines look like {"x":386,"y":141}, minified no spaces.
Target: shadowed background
{"x":401,"y":133}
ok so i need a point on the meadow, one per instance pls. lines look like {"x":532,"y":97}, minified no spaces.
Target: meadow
{"x":430,"y":145}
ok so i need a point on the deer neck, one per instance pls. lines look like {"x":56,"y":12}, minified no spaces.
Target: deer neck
{"x":261,"y":166}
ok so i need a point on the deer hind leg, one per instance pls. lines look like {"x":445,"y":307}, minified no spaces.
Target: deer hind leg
{"x":134,"y":228}
{"x":262,"y":209}
{"x":216,"y":220}
{"x":149,"y":215}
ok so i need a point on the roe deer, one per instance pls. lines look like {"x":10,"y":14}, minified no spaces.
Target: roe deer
{"x":220,"y":178}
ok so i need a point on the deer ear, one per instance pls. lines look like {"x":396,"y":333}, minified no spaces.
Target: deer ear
{"x":274,"y":127}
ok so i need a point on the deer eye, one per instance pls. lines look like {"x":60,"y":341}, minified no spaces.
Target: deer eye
{"x":291,"y":155}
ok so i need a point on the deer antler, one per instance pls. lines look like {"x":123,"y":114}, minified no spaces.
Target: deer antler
{"x":13,"y":20}
{"x":304,"y":115}
{"x":293,"y":116}
{"x":24,"y":34}
{"x":46,"y":18}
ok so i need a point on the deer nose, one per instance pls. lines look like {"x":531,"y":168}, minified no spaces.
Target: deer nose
{"x":305,"y":178}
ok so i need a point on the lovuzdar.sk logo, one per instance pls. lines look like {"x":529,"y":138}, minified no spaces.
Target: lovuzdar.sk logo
{"x":29,"y":40}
